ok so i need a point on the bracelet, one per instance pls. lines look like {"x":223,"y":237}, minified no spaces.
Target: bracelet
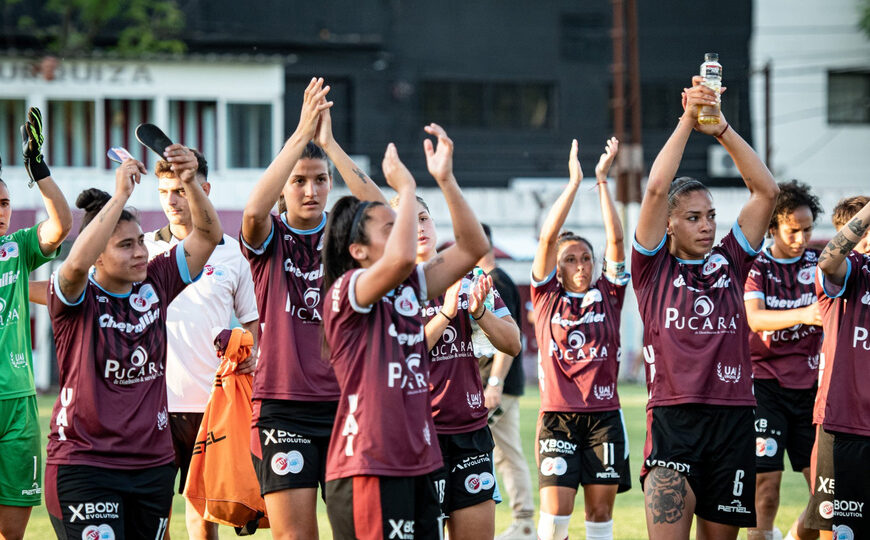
{"x":481,"y":314}
{"x":719,"y":136}
{"x":441,"y":312}
{"x":598,"y":183}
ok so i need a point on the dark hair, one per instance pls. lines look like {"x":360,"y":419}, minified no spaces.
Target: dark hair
{"x":488,"y":233}
{"x":93,"y":200}
{"x":394,"y":202}
{"x":343,"y":228}
{"x":568,"y":236}
{"x":164,"y":168}
{"x":847,"y":208}
{"x":793,"y":195}
{"x":683,"y":186}
{"x":311,"y":151}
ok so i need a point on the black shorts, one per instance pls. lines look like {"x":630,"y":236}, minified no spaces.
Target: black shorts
{"x":468,"y":473}
{"x":783,"y":422}
{"x":384,"y":507}
{"x":713,"y":447}
{"x":290,"y":442}
{"x":87,"y":502}
{"x":577,"y":449}
{"x":820,"y":509}
{"x":852,"y":478}
{"x":184,"y":427}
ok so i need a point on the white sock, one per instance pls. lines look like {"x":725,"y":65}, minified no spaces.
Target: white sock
{"x":597,"y":530}
{"x":552,"y":527}
{"x":790,"y":537}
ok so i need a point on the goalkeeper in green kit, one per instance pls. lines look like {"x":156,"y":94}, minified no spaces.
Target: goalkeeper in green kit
{"x":21,"y":252}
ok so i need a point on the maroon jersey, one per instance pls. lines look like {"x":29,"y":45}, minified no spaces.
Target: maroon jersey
{"x":111,"y":352}
{"x":454,"y":375}
{"x":578,"y":338}
{"x":695,"y":337}
{"x":790,"y":355}
{"x":288,"y":274}
{"x":843,"y":400}
{"x":383,"y":426}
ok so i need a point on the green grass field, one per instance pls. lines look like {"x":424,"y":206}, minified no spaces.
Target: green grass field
{"x":628,"y":515}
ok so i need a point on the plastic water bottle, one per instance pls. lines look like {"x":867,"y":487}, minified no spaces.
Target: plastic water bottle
{"x":711,"y":70}
{"x":480,"y":343}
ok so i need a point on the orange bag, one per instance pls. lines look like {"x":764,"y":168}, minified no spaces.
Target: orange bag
{"x":221,"y":483}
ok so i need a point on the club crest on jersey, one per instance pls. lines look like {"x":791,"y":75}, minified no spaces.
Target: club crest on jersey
{"x":591,"y":296}
{"x":714,"y":263}
{"x":475,"y":401}
{"x":9,"y":250}
{"x":101,"y":532}
{"x":217,"y":271}
{"x":807,"y":275}
{"x":162,"y":419}
{"x":406,"y":303}
{"x":728,"y":374}
{"x":144,"y":299}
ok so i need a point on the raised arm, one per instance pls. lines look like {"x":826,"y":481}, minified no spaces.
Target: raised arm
{"x":256,"y":223}
{"x":471,"y":244}
{"x":832,"y":261}
{"x":54,"y":230}
{"x":37,"y":292}
{"x":207,"y":230}
{"x":615,"y":250}
{"x":73,"y":273}
{"x":361,"y":186}
{"x":400,"y":252}
{"x":545,"y":256}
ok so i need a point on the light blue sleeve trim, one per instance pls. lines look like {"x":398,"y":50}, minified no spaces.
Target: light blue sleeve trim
{"x":644,"y":251}
{"x":752,"y":295}
{"x":351,"y":293}
{"x":260,"y":250}
{"x":183,"y":269}
{"x":744,"y":243}
{"x":825,"y":281}
{"x":543,"y":281}
{"x":502,"y":312}
{"x":424,"y":287}
{"x":60,"y":295}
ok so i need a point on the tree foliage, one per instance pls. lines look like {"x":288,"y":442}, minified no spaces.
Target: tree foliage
{"x":864,"y":20}
{"x":128,"y":27}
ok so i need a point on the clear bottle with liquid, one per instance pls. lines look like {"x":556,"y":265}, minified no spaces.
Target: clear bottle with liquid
{"x":480,"y":343}
{"x":711,"y":70}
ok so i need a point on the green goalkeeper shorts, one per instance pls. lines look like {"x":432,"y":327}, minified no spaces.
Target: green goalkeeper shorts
{"x":20,"y":452}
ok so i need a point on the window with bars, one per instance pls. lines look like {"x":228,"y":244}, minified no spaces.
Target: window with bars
{"x":249,"y":135}
{"x":194,"y":124}
{"x":849,"y":97}
{"x":12,"y":113}
{"x":70,"y":133}
{"x":495,"y":105}
{"x":121,"y":116}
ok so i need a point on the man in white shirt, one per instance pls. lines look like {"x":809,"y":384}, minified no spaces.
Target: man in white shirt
{"x":225,"y":289}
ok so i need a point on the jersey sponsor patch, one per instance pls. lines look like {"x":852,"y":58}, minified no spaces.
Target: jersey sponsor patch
{"x":556,"y":466}
{"x":9,"y":250}
{"x":284,"y":464}
{"x":101,"y":532}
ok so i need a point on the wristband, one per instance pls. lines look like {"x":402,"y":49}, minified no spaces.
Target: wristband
{"x":719,"y":136}
{"x":482,"y":313}
{"x":441,"y":312}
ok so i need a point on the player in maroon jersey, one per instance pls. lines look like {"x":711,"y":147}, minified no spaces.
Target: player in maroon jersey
{"x":383,"y":449}
{"x":110,"y":456}
{"x":458,"y":405}
{"x":295,"y":392}
{"x":581,"y":434}
{"x":782,"y":312}
{"x":699,"y":451}
{"x":841,"y":441}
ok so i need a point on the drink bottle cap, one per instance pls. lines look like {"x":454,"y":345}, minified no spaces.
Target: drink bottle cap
{"x":711,"y":57}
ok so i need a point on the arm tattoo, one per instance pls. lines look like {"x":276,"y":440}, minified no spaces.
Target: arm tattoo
{"x":434,"y":262}
{"x":667,"y":495}
{"x":362,"y":176}
{"x":206,"y":218}
{"x":840,"y":246}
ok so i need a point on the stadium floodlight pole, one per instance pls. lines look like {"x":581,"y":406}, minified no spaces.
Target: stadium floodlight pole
{"x":617,"y":36}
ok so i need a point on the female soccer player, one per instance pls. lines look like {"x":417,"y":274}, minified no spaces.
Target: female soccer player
{"x":110,"y":457}
{"x":457,"y":392}
{"x":784,"y":317}
{"x":699,"y":453}
{"x":21,"y":252}
{"x":384,"y":447}
{"x":295,"y":391}
{"x":581,"y":433}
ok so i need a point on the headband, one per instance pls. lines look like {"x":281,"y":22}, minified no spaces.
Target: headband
{"x":686,"y":185}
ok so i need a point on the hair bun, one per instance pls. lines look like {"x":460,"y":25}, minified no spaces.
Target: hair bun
{"x":92,"y":200}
